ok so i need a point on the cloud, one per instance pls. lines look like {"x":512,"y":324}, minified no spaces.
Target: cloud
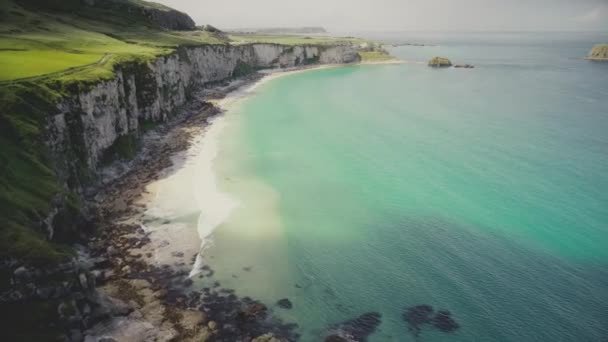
{"x":596,"y":15}
{"x":362,"y":15}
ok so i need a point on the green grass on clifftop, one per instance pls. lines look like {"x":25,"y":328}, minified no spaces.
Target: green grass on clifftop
{"x":293,"y":39}
{"x":49,"y":49}
{"x":375,"y":56}
{"x":41,"y":42}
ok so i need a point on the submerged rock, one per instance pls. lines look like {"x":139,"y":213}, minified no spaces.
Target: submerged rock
{"x":417,"y":316}
{"x":439,"y":62}
{"x":444,"y":322}
{"x":420,"y":315}
{"x":285,"y":303}
{"x":357,"y":329}
{"x":465,"y":66}
{"x":335,"y":338}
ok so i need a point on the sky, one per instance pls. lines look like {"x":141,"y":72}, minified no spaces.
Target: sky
{"x":402,"y":15}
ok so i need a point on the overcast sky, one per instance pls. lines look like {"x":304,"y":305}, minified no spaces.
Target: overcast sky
{"x":435,"y":15}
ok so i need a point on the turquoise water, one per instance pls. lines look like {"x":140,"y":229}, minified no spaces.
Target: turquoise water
{"x":483,"y":192}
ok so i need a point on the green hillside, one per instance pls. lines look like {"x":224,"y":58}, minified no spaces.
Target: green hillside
{"x":47,"y":48}
{"x":50,"y":49}
{"x":36,"y":41}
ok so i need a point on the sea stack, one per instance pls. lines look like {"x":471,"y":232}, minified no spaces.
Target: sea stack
{"x":599,"y":53}
{"x":439,"y":62}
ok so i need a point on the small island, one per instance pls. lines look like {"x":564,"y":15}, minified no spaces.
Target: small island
{"x":598,"y":53}
{"x":440,"y":62}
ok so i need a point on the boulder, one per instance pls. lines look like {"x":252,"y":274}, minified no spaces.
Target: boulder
{"x":439,"y":62}
{"x":267,"y":338}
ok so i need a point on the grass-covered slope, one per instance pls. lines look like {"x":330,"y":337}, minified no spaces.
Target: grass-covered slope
{"x":50,"y":49}
{"x":47,"y":50}
{"x":237,"y":38}
{"x":37,"y":41}
{"x":27,"y":182}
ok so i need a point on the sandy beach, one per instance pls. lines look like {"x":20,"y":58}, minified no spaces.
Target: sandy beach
{"x":156,"y":214}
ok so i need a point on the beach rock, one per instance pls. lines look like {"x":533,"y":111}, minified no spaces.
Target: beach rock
{"x":82,"y":278}
{"x":212,"y":325}
{"x":22,"y":274}
{"x":439,"y":62}
{"x":253,"y":311}
{"x":285,"y":303}
{"x":192,"y":319}
{"x":599,"y":53}
{"x":267,"y":338}
{"x":112,"y":251}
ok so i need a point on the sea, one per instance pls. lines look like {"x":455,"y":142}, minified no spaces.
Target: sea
{"x":407,"y":203}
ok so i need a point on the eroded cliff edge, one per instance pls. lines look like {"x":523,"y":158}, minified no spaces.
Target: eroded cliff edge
{"x":78,"y":130}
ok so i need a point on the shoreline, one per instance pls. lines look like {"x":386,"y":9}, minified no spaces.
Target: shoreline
{"x":147,"y":261}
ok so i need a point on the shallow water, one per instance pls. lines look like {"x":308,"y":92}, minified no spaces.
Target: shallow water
{"x":376,"y":188}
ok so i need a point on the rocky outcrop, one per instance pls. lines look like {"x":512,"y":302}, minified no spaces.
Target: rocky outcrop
{"x":599,"y":53}
{"x":440,"y":62}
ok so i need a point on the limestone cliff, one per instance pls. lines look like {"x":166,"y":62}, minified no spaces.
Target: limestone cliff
{"x":92,"y":122}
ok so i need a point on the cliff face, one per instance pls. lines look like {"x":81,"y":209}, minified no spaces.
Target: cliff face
{"x":107,"y":117}
{"x":599,"y":52}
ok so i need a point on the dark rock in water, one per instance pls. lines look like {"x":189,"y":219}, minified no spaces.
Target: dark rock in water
{"x":444,"y":322}
{"x":466,"y":66}
{"x":335,"y":338}
{"x":285,"y":303}
{"x":419,"y":315}
{"x":359,"y":328}
{"x":247,"y":269}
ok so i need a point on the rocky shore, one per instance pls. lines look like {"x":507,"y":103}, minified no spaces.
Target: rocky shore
{"x":151,"y":300}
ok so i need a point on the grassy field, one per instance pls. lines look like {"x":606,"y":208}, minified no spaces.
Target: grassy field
{"x":34,"y":43}
{"x":88,"y":41}
{"x":45,"y":53}
{"x":293,"y":39}
{"x":375,"y":56}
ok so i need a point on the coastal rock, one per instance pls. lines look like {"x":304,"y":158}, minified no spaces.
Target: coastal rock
{"x":598,"y":53}
{"x":212,"y":325}
{"x":267,"y":338}
{"x":285,"y":303}
{"x":420,"y":315}
{"x":109,"y":113}
{"x":465,"y":66}
{"x":439,"y":62}
{"x":357,"y":329}
{"x":22,"y":273}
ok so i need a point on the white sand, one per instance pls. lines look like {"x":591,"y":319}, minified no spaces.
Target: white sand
{"x":187,"y":204}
